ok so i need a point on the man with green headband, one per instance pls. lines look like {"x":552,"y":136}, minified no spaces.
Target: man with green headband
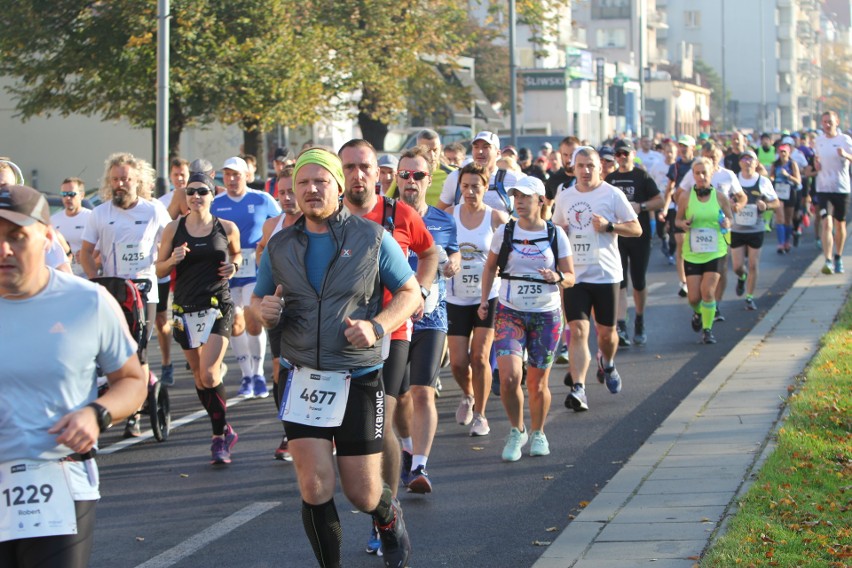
{"x":321,"y":277}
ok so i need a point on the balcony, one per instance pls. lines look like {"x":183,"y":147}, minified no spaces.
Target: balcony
{"x":657,"y":19}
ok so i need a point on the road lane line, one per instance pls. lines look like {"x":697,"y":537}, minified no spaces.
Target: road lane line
{"x":190,"y":546}
{"x":148,"y":434}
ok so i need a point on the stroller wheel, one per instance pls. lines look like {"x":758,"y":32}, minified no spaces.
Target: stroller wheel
{"x":158,"y":409}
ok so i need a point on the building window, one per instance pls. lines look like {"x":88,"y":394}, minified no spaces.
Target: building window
{"x":611,"y":38}
{"x":692,"y":19}
{"x":611,"y":9}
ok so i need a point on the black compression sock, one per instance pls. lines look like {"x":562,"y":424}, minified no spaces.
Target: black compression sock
{"x":383,"y":513}
{"x":322,"y":525}
{"x":214,"y":402}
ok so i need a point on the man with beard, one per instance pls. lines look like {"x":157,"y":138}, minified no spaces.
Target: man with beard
{"x":417,"y":416}
{"x":126,"y":230}
{"x":486,"y":151}
{"x":360,"y":173}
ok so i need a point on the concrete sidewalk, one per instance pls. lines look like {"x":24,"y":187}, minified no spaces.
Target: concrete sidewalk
{"x":680,"y":487}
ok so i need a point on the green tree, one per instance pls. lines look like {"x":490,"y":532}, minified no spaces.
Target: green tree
{"x":836,"y":84}
{"x":247,"y":62}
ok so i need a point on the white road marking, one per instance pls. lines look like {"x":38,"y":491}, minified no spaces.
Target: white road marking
{"x":148,"y":434}
{"x":208,"y":535}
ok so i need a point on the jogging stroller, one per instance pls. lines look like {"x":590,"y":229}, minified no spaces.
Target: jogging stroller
{"x":130,"y":295}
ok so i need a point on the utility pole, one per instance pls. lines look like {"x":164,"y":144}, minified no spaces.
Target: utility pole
{"x":513,"y":74}
{"x":161,"y":159}
{"x":724,"y":84}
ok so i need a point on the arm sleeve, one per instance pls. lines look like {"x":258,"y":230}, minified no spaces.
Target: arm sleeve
{"x":273,"y":209}
{"x":116,"y":345}
{"x":90,"y":233}
{"x":736,"y":186}
{"x":672,"y":174}
{"x":651,"y":189}
{"x":394,"y":269}
{"x":265,"y":285}
{"x":559,"y":217}
{"x":767,"y":189}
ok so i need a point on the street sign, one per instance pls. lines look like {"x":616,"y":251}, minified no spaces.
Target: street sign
{"x":619,"y":80}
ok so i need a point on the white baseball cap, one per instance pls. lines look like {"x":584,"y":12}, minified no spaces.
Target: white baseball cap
{"x":489,"y":137}
{"x":529,"y":185}
{"x":237,"y":164}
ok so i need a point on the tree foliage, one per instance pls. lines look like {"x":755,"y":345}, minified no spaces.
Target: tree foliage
{"x":711,"y":80}
{"x":249,"y":62}
{"x":837,"y":80}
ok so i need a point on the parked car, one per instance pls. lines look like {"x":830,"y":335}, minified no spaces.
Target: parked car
{"x":55,"y":202}
{"x":533,"y":142}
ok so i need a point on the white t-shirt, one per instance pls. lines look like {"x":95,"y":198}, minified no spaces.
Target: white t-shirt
{"x":659,"y":173}
{"x":72,"y":229}
{"x":833,"y":176}
{"x":723,"y":179}
{"x":526,"y":259}
{"x":166,"y":198}
{"x":491,"y":198}
{"x":596,"y":256}
{"x":649,"y":158}
{"x":128,"y":239}
{"x":71,"y":326}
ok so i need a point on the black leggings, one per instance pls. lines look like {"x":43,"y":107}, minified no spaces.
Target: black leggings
{"x":63,"y":551}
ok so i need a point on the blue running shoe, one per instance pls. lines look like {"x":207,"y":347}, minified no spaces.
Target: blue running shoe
{"x":838,"y":266}
{"x":405,"y":473}
{"x":576,"y":399}
{"x":246,"y":390}
{"x":167,"y":375}
{"x":420,"y":481}
{"x":613,"y":380}
{"x":259,"y":387}
{"x":374,"y":545}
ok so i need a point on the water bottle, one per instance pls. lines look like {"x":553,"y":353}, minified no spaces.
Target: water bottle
{"x":722,"y":220}
{"x":442,"y":260}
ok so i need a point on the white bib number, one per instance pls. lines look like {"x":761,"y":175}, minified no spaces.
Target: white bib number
{"x":431,"y":301}
{"x":248,"y":267}
{"x":529,"y":295}
{"x":198,"y":325}
{"x":782,"y":188}
{"x":316,"y":398}
{"x":703,"y":240}
{"x":468,"y":282}
{"x":585,"y":248}
{"x":35,"y":500}
{"x":130,"y":259}
{"x":747,"y":216}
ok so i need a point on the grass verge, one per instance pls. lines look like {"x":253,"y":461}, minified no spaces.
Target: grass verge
{"x":798,"y":512}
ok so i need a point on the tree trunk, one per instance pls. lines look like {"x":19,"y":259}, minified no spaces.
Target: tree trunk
{"x":253,"y":144}
{"x":372,"y":130}
{"x":177,"y":122}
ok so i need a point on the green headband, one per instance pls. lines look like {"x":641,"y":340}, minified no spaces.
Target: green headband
{"x":324,"y":159}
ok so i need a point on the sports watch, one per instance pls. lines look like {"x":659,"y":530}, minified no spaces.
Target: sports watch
{"x":102,"y":414}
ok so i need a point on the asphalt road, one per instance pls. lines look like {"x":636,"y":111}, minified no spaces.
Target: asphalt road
{"x":164,"y":505}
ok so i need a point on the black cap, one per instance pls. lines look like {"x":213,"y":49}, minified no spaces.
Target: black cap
{"x":607,"y":153}
{"x":624,"y":144}
{"x":524,"y":154}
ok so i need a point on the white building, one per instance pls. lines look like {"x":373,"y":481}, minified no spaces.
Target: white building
{"x":764,"y":49}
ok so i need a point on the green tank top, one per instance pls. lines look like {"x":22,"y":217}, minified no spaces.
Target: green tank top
{"x":766,"y":157}
{"x":703,"y":241}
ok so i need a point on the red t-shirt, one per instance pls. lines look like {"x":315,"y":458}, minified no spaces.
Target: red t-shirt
{"x":411,"y":234}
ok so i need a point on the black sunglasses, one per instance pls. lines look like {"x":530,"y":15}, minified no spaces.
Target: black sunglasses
{"x":417,"y":175}
{"x":68,"y":193}
{"x":622,"y":153}
{"x":199,"y":190}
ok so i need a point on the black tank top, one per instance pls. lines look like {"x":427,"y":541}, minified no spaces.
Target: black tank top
{"x":197,"y":275}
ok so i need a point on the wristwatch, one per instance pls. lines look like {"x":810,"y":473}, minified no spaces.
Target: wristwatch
{"x":610,"y":227}
{"x":643,"y":207}
{"x":377,"y":329}
{"x":102,"y":414}
{"x":424,"y":291}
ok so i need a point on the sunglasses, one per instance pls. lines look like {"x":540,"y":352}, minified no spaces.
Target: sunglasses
{"x":199,"y":190}
{"x":68,"y":193}
{"x":620,"y":154}
{"x":417,"y":175}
